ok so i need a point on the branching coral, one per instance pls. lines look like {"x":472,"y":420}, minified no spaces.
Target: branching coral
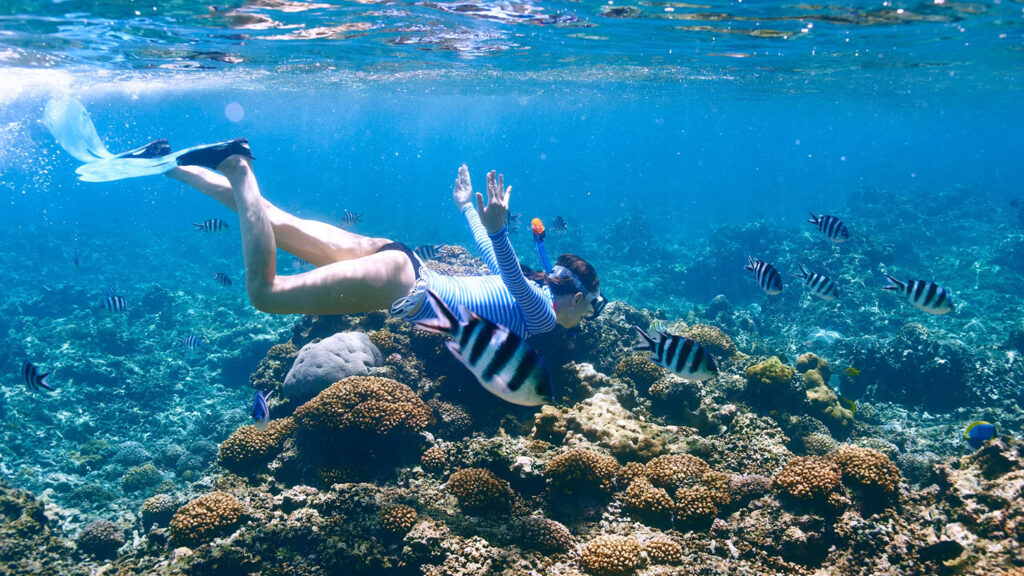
{"x":249,"y":448}
{"x":712,"y":339}
{"x":101,"y":539}
{"x":397,"y":519}
{"x":640,"y":370}
{"x":809,"y":478}
{"x":582,"y":471}
{"x":675,"y":471}
{"x":544,"y":535}
{"x":663,"y":550}
{"x":480,"y":492}
{"x":695,"y":504}
{"x":648,"y":503}
{"x":866,"y":468}
{"x":365,"y":403}
{"x":610,"y":556}
{"x":205,"y":518}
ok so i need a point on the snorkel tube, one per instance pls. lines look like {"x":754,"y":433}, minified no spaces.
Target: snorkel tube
{"x":538,"y":238}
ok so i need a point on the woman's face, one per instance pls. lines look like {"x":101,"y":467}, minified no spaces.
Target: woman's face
{"x":571,"y":309}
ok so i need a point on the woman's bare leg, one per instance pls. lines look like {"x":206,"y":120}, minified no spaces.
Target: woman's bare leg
{"x":370,"y":282}
{"x":316,"y":242}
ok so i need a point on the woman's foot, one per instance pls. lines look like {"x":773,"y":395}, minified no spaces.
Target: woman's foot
{"x":211,"y":156}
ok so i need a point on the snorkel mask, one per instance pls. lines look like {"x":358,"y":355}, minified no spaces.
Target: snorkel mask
{"x":597,"y":302}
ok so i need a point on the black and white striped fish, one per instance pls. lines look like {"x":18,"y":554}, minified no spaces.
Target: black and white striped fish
{"x":115,"y":303}
{"x":211,"y":225}
{"x":222,"y":278}
{"x":832,"y":227}
{"x":512,"y":221}
{"x":502,"y":362}
{"x":768,"y":278}
{"x":683,"y":357}
{"x":427,"y":251}
{"x":927,"y":296}
{"x":350,"y":218}
{"x":560,"y":224}
{"x":821,"y":286}
{"x":189,"y":342}
{"x":33,"y":379}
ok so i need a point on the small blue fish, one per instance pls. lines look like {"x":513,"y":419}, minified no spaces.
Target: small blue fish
{"x":33,"y":379}
{"x":260,"y":409}
{"x":978,"y":433}
{"x":222,"y":278}
{"x":211,"y":225}
{"x":350,"y":218}
{"x":190,"y":342}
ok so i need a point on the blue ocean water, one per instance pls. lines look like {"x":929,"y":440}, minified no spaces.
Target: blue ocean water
{"x":673,"y":138}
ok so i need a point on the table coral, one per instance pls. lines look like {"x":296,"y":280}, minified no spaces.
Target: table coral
{"x":480,"y":492}
{"x":611,"y":556}
{"x":205,"y":518}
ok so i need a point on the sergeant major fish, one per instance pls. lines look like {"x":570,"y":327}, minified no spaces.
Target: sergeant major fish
{"x":832,"y":227}
{"x":768,"y":278}
{"x":427,"y":251}
{"x":680,"y":355}
{"x":211,"y":225}
{"x":350,"y":218}
{"x":222,"y":278}
{"x":821,"y":286}
{"x":33,"y":379}
{"x":927,"y":296}
{"x":502,"y":362}
{"x":189,"y":342}
{"x":560,"y":224}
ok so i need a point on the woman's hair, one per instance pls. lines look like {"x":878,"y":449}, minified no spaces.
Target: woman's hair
{"x":564,"y":285}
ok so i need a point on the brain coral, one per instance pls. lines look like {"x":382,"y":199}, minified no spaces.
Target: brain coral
{"x":712,"y":339}
{"x":581,"y":470}
{"x":365,"y":403}
{"x":205,"y":518}
{"x":397,"y":519}
{"x":610,"y":556}
{"x":480,"y":492}
{"x":544,"y":535}
{"x":809,"y":478}
{"x":866,"y":468}
{"x":250,"y":448}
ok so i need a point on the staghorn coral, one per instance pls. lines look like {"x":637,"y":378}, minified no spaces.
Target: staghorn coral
{"x":397,"y":519}
{"x":480,"y":492}
{"x":696,"y":504}
{"x":663,"y":550}
{"x":544,"y":535}
{"x":581,"y":470}
{"x":640,"y":370}
{"x":365,"y":403}
{"x":141,"y":477}
{"x":866,"y":468}
{"x":647,"y":503}
{"x":249,"y":448}
{"x":809,"y":478}
{"x":100,"y":539}
{"x":157,"y":510}
{"x":712,"y":339}
{"x":205,"y":518}
{"x":611,"y":556}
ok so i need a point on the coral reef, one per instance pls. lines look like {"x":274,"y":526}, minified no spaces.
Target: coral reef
{"x":544,"y":535}
{"x":822,"y":401}
{"x":867,"y":469}
{"x":640,"y":370}
{"x":249,"y":449}
{"x":582,"y":471}
{"x":205,"y":518}
{"x":365,"y":403}
{"x":397,"y":519}
{"x":611,"y":555}
{"x":321,"y":363}
{"x":141,"y":477}
{"x":272,"y":369}
{"x":100,"y":539}
{"x":663,"y":550}
{"x":809,"y":478}
{"x":480,"y":492}
{"x":713,"y":339}
{"x":157,"y":510}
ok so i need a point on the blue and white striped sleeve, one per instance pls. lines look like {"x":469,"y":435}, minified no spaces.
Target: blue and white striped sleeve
{"x":483,"y":243}
{"x":536,"y":307}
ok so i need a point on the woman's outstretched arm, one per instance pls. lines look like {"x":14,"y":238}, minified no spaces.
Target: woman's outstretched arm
{"x":463,"y":195}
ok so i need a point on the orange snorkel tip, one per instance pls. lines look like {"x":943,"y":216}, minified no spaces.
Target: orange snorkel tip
{"x":537,"y":226}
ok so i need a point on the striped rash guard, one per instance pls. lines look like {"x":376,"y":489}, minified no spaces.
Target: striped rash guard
{"x":506,"y":298}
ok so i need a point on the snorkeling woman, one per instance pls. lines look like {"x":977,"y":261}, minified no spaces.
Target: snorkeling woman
{"x":356,"y":273}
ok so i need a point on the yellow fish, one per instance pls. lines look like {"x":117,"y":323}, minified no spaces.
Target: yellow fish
{"x":851,"y":371}
{"x":849,"y":404}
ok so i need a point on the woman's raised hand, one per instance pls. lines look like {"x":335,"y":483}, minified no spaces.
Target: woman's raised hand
{"x":463,"y":192}
{"x":493,"y":215}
